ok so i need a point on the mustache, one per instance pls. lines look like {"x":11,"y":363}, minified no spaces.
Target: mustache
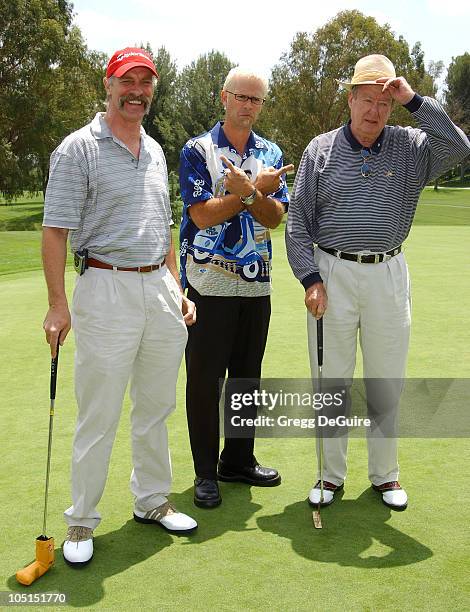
{"x":144,"y":99}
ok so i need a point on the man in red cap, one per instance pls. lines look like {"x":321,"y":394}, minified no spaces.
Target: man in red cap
{"x":108,"y":192}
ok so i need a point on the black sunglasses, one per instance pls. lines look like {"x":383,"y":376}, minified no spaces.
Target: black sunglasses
{"x":366,"y":154}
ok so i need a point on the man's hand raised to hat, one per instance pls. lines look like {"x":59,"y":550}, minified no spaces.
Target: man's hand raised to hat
{"x":398,"y":87}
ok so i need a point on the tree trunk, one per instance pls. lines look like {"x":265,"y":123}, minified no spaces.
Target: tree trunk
{"x":436,"y":184}
{"x":44,"y":171}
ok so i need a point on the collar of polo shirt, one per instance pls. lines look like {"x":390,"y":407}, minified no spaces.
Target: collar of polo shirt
{"x":356,"y":145}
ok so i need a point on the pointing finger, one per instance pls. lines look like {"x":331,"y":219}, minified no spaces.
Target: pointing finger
{"x":288,"y":168}
{"x":227,"y":162}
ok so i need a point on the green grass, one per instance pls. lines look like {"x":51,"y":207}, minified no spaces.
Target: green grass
{"x":445,"y":207}
{"x":20,"y":251}
{"x":21,"y":217}
{"x":258,"y":551}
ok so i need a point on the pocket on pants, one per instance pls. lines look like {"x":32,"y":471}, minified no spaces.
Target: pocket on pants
{"x":173,"y":300}
{"x":84,"y":293}
{"x":173,"y":288}
{"x":326,"y":264}
{"x":400,"y":285}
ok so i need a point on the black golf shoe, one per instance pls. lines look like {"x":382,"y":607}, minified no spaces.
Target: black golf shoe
{"x":206,"y":493}
{"x":256,"y":475}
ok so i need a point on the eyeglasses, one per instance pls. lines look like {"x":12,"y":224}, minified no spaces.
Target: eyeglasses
{"x":243,"y":98}
{"x":366,"y":154}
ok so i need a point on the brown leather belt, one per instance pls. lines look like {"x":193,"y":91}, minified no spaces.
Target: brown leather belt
{"x":96,"y":263}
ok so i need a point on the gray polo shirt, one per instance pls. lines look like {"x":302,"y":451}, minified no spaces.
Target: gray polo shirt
{"x":116,"y":206}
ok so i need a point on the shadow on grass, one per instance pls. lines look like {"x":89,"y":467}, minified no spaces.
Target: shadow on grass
{"x":114,"y":552}
{"x":232,"y":515}
{"x":29,"y":223}
{"x":355,"y":534}
{"x":117,"y":551}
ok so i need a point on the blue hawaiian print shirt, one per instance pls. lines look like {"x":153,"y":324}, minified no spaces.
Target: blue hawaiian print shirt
{"x":233,"y":257}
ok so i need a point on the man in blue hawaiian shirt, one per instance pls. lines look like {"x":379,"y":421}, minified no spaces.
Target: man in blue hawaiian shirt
{"x":233,"y":189}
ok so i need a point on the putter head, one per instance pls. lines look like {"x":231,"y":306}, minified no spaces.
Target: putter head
{"x":317,"y":519}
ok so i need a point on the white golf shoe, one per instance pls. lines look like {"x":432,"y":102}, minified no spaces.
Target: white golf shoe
{"x":329,"y":490}
{"x":78,"y":545}
{"x":393,"y":495}
{"x":167,"y":517}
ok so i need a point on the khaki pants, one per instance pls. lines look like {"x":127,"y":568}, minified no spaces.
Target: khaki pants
{"x":374,"y":300}
{"x":128,"y":326}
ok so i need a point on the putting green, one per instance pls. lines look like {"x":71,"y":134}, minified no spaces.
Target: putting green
{"x":259,"y":550}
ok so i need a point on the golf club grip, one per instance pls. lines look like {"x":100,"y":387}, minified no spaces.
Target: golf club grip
{"x":320,"y":341}
{"x":54,"y":366}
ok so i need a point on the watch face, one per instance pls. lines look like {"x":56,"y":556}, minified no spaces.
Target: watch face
{"x":248,"y":201}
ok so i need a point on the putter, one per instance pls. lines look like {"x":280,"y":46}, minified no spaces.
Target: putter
{"x":44,"y":545}
{"x":316,"y":513}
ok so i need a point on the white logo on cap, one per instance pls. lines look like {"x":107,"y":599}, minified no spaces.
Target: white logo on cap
{"x":131,"y":54}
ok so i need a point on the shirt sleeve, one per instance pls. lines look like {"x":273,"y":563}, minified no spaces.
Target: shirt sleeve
{"x":66,"y":191}
{"x":195,"y":179}
{"x":300,"y":221}
{"x":438,"y":144}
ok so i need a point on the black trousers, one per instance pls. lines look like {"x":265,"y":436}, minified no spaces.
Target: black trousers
{"x":229,"y":336}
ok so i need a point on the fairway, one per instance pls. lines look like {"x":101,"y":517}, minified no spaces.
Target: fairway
{"x":258,"y":550}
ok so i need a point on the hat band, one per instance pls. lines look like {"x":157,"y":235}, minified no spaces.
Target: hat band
{"x":371,"y":76}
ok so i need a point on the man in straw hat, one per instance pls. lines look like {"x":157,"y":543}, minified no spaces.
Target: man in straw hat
{"x":108,"y":191}
{"x":354,"y":198}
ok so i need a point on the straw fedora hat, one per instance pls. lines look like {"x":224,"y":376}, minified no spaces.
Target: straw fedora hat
{"x":370,"y":68}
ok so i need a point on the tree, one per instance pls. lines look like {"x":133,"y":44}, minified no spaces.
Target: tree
{"x":305,"y":98}
{"x":458,"y":91}
{"x":163,"y":122}
{"x":49,"y":86}
{"x":199,"y":87}
{"x":458,"y":96}
{"x":65,"y":98}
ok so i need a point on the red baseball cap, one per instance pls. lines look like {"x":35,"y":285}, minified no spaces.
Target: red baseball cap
{"x":130,"y":57}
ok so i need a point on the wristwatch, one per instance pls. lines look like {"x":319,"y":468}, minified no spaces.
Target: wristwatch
{"x":249,"y":199}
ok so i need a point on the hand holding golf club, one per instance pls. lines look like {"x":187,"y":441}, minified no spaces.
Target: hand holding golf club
{"x":57,"y":325}
{"x":316,"y":300}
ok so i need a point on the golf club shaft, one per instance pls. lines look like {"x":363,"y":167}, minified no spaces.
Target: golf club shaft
{"x":54,"y":366}
{"x":320,"y":366}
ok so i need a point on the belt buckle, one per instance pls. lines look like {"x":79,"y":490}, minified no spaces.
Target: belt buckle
{"x":144,"y":269}
{"x":359,"y":258}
